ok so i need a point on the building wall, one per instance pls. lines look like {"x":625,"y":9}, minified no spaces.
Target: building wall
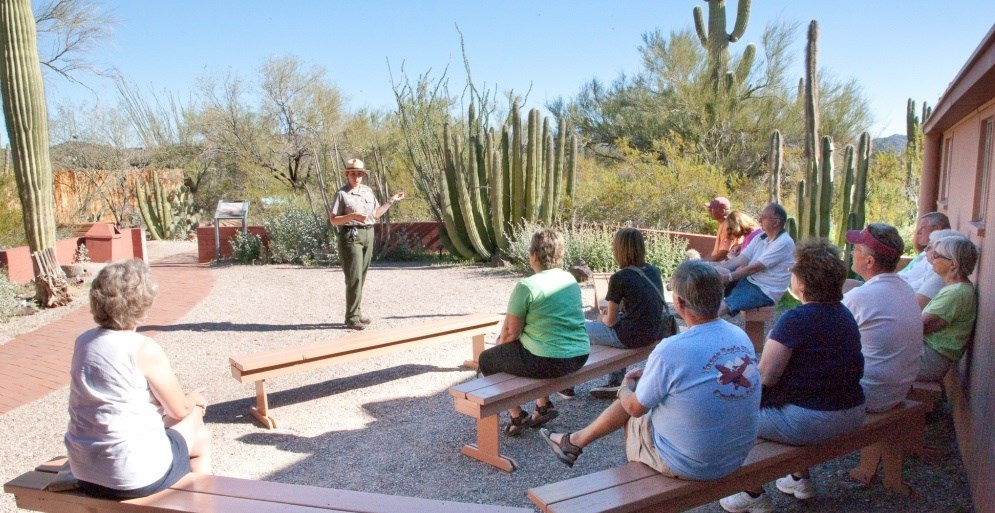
{"x":951,"y":167}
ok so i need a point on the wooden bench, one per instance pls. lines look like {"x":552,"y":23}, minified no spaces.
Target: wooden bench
{"x":199,"y":493}
{"x":636,"y":487}
{"x":261,"y":366}
{"x":754,"y":321}
{"x":485,"y":398}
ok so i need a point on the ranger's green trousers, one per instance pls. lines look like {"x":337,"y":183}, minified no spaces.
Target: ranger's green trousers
{"x":356,"y":252}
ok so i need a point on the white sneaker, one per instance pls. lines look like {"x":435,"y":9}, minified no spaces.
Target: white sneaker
{"x":743,"y":503}
{"x":801,"y":488}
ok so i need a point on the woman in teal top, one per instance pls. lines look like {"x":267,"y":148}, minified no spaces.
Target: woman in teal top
{"x":543,"y":332}
{"x":948,"y":318}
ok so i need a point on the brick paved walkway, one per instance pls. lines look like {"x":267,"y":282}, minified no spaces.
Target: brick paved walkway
{"x":37,"y":363}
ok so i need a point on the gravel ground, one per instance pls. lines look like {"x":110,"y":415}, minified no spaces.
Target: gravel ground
{"x":386,"y":424}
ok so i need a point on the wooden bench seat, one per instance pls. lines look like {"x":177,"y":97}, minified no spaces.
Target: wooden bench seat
{"x":635,"y":487}
{"x":199,"y":493}
{"x":259,"y":367}
{"x":485,"y":398}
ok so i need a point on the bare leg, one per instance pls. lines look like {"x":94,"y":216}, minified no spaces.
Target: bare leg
{"x":198,"y":439}
{"x":612,"y":419}
{"x":543,"y":402}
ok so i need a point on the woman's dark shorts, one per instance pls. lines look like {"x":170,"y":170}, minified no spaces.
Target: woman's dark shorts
{"x":514,"y":359}
{"x":179,"y":468}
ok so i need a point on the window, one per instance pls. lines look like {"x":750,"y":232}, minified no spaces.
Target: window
{"x":984,"y":171}
{"x":945,"y":170}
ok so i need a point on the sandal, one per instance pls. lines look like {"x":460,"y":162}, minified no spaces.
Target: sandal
{"x":565,"y":451}
{"x":518,"y":424}
{"x":543,"y":414}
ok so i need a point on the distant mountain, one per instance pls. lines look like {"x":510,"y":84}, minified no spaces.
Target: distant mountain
{"x":893,"y":143}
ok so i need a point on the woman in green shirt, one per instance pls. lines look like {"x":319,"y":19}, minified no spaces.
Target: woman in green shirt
{"x":543,"y":332}
{"x":948,"y":318}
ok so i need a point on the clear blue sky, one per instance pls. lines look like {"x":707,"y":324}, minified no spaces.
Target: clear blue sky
{"x":896,"y":50}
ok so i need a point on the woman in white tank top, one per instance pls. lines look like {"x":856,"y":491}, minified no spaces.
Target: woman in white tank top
{"x":132,"y":430}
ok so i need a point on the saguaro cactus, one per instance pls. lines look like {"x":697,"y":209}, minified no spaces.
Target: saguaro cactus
{"x":716,"y":40}
{"x":27,"y":121}
{"x":26,"y":117}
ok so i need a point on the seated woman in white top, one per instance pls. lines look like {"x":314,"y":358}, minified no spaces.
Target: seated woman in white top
{"x":132,"y":430}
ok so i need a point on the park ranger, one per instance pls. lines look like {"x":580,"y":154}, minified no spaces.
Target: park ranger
{"x":355,"y":210}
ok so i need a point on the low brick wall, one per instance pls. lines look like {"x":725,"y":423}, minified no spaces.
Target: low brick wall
{"x":205,"y":240}
{"x":427,"y":233}
{"x":104,"y":243}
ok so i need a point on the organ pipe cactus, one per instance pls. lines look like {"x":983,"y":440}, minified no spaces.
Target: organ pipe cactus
{"x":809,"y":223}
{"x":153,"y":203}
{"x":775,"y":163}
{"x":489,"y":185}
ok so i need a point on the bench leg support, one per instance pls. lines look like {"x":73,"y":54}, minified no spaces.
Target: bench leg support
{"x":478,"y":347}
{"x":261,"y":410}
{"x":867,"y":468}
{"x":892,"y":457}
{"x":488,"y":446}
{"x":891,"y":454}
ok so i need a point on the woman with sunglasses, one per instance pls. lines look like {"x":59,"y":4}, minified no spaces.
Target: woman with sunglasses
{"x":948,"y":319}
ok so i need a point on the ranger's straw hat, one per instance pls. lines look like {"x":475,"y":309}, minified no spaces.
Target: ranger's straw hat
{"x":355,"y":165}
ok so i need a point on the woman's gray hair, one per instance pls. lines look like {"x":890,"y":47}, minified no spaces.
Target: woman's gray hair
{"x":547,"y":246}
{"x":959,"y":250}
{"x":121,"y":295}
{"x":700,"y":286}
{"x":936,"y":235}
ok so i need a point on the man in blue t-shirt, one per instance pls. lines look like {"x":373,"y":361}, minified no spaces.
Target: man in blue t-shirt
{"x":693,"y":413}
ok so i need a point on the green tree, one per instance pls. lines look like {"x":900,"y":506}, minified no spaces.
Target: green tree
{"x":672,"y":96}
{"x":296,"y":123}
{"x":887,"y":200}
{"x":643,"y":192}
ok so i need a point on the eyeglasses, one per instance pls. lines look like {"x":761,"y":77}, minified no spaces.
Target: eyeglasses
{"x":945,"y":257}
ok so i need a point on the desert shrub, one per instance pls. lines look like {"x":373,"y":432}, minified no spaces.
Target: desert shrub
{"x":297,"y":237}
{"x":82,"y":256}
{"x":247,"y":248}
{"x":641,"y":190}
{"x":8,"y":297}
{"x":665,"y":252}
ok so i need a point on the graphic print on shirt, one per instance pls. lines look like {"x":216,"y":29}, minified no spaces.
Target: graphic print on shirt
{"x":735,"y":373}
